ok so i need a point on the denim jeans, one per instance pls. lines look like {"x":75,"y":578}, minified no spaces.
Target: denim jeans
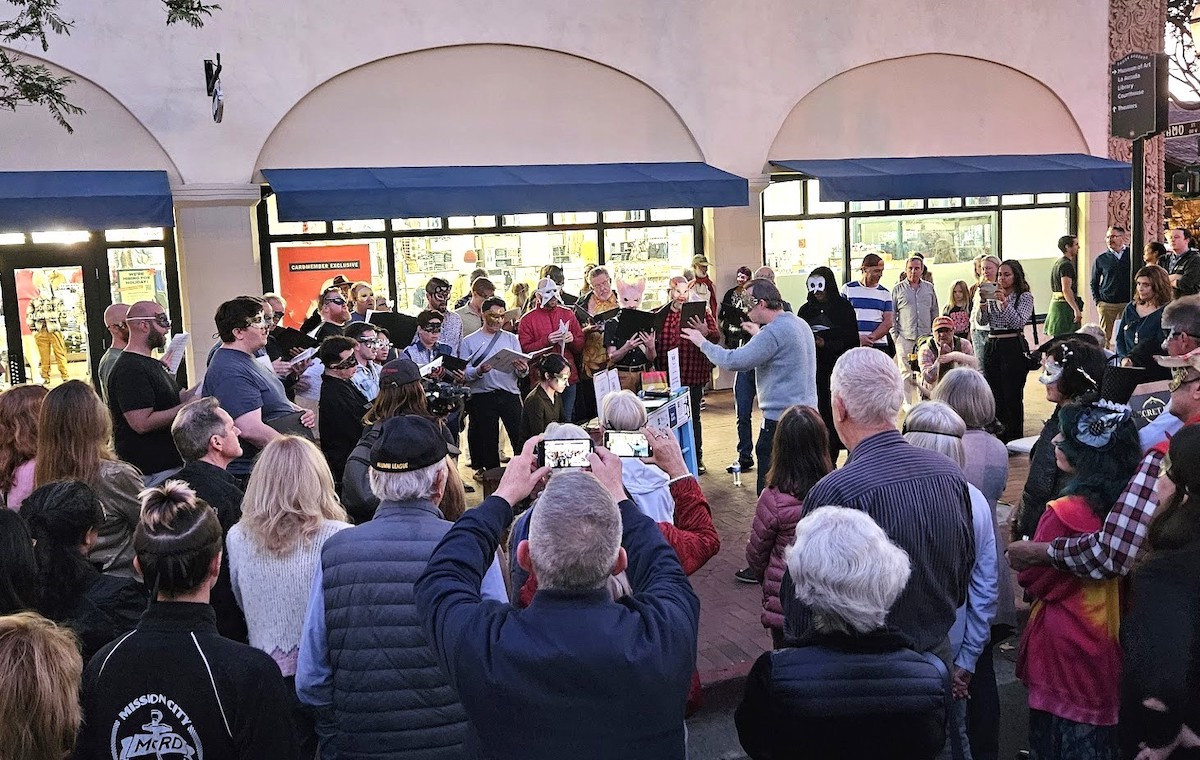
{"x":568,"y":397}
{"x":766,"y":440}
{"x":743,"y":398}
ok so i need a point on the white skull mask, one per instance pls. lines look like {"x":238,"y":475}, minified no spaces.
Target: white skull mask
{"x":816,"y":285}
{"x":547,"y":291}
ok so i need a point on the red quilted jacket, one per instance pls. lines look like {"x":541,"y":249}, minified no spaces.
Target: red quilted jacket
{"x":773,"y":530}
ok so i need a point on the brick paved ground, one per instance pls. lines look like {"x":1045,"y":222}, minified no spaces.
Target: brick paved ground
{"x":731,"y":635}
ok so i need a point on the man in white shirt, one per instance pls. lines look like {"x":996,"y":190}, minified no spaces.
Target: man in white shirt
{"x":494,"y":392}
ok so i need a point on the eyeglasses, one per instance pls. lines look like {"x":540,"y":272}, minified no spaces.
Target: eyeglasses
{"x":161,"y":319}
{"x":1179,"y":378}
{"x":277,"y":317}
{"x":433,"y":327}
{"x":1177,"y":333}
{"x":346,"y":363}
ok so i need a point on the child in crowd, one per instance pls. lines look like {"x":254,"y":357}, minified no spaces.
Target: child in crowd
{"x":959,"y":309}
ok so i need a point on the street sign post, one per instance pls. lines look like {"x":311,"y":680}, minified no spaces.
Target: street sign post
{"x":1138,"y":95}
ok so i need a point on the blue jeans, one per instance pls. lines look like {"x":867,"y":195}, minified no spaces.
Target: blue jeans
{"x":744,"y":391}
{"x":766,"y":440}
{"x":568,"y":397}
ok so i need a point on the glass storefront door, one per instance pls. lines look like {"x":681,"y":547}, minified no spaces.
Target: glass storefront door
{"x":53,"y":323}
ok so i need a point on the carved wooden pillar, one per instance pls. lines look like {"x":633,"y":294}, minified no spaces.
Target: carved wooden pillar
{"x":1137,"y":26}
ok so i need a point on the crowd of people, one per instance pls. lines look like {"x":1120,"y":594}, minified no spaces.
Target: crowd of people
{"x":279,"y":561}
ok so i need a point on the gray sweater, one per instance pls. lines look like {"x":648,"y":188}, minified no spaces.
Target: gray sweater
{"x":783,"y":356}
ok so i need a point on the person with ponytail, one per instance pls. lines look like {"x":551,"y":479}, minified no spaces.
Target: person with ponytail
{"x":64,"y":518}
{"x":174,"y":682}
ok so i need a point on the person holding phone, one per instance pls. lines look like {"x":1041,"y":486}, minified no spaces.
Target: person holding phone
{"x":1006,"y":312}
{"x":647,"y":484}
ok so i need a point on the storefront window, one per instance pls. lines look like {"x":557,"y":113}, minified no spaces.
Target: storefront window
{"x":138,"y":235}
{"x":619,"y":217}
{"x":656,"y":253}
{"x":470,"y":222}
{"x":359,"y":225}
{"x":418,"y":223}
{"x":61,"y":237}
{"x":575,"y":217}
{"x":276,"y":227}
{"x":671,"y":214}
{"x":818,"y":206}
{"x":523,"y":220}
{"x":1031,"y":235}
{"x":508,"y":258}
{"x":303,"y":267}
{"x":948,"y":232}
{"x":12,"y":238}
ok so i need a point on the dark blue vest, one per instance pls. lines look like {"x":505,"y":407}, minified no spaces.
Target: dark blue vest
{"x":389,"y":695}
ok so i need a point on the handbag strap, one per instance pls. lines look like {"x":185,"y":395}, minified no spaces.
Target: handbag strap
{"x":478,"y":357}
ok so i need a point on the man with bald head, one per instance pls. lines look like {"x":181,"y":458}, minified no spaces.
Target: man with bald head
{"x":114,"y":320}
{"x":143,"y":398}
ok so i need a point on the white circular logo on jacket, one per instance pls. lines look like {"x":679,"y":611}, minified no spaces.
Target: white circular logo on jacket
{"x":154,"y":726}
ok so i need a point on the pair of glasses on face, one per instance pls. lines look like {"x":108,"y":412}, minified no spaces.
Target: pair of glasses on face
{"x":1179,"y":378}
{"x":1177,"y":333}
{"x":346,"y":363}
{"x":276,"y":317}
{"x":432,"y":327}
{"x":158,"y":319}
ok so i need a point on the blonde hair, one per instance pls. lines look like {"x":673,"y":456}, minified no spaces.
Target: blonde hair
{"x":40,"y":668}
{"x":289,"y":494}
{"x":622,"y":410}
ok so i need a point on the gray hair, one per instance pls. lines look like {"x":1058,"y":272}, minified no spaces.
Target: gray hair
{"x":1094,"y":330}
{"x":564,"y":431}
{"x":765,"y":291}
{"x":597,"y":273}
{"x":574,"y":533}
{"x":846,"y":569}
{"x":1183,"y":313}
{"x":195,"y":425}
{"x":869,"y":385}
{"x":966,"y":391}
{"x":622,"y":410}
{"x":405,"y":486}
{"x":935,"y":426}
{"x":764,"y":273}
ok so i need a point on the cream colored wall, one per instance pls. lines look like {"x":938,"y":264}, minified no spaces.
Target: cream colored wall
{"x":479,"y":105}
{"x":107,"y":137}
{"x":398,"y":82}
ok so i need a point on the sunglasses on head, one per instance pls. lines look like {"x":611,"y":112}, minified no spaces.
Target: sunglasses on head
{"x":346,"y":363}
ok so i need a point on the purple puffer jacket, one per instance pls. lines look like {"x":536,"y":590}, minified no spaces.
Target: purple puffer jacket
{"x":773,"y":531}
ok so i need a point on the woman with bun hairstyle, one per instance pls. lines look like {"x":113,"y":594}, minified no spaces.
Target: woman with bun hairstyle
{"x":19,"y":410}
{"x":544,"y":404}
{"x":64,"y":519}
{"x":174,"y":680}
{"x":75,"y":443}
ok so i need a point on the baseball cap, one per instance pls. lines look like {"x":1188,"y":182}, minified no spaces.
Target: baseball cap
{"x":941,"y":322}
{"x":699,"y":260}
{"x":400,"y":371}
{"x":408,"y":443}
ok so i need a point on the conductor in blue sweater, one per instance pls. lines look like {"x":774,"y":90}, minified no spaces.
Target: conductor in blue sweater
{"x":577,"y":674}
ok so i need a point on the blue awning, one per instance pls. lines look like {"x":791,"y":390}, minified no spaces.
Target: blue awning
{"x":875,"y":179}
{"x":88,"y":200}
{"x":394,"y":192}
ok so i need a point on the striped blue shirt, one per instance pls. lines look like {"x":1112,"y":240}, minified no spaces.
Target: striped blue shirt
{"x":870,"y":304}
{"x":920,"y":499}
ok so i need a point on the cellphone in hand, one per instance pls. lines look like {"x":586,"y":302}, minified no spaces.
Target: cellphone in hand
{"x":559,"y":454}
{"x":624,"y":443}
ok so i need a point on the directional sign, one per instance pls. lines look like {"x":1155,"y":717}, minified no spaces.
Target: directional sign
{"x":1139,"y":95}
{"x":1182,"y":129}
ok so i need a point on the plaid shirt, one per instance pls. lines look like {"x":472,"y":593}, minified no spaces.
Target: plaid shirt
{"x":694,"y":367}
{"x":1110,"y":553}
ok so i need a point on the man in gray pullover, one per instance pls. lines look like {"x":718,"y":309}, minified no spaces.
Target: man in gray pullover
{"x":782,"y":354}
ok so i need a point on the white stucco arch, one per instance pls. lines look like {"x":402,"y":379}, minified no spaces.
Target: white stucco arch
{"x":479,"y":104}
{"x":33,"y":141}
{"x":928,"y":104}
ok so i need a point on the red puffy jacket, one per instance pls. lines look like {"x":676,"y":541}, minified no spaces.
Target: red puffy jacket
{"x":773,"y":530}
